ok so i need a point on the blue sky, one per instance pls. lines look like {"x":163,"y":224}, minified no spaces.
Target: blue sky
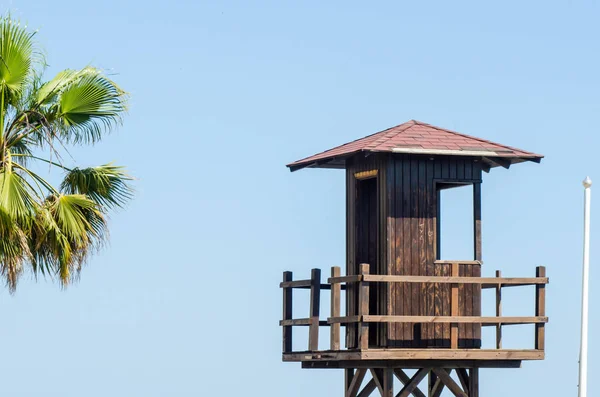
{"x":185,"y":300}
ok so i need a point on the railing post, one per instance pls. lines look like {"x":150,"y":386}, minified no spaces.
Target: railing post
{"x":454,"y":309}
{"x":499,"y":311}
{"x":363,"y":309}
{"x":287,"y":313}
{"x":540,"y":309}
{"x":335,"y":309}
{"x":315,"y":301}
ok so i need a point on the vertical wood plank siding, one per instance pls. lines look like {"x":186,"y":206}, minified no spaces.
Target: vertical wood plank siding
{"x":360,"y":163}
{"x":408,"y":244}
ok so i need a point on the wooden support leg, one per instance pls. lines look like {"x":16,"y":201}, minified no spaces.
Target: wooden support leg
{"x":388,"y":382}
{"x":439,"y":378}
{"x":474,"y":382}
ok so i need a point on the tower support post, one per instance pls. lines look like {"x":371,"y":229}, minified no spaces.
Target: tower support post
{"x":382,"y":382}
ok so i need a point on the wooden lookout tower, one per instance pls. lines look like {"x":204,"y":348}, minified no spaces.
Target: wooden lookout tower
{"x":404,"y":308}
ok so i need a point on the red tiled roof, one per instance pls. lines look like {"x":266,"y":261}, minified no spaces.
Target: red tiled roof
{"x":418,"y":138}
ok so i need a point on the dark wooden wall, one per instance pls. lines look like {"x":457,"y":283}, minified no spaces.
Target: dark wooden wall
{"x":370,"y":164}
{"x":408,"y":188}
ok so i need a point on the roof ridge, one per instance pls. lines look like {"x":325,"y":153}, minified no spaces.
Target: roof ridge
{"x":406,"y":128}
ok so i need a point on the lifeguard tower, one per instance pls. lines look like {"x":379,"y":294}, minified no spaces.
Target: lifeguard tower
{"x":405,"y":308}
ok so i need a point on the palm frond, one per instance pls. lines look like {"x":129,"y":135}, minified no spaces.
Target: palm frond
{"x":16,"y":198}
{"x":48,"y":92}
{"x":14,"y":249}
{"x":82,"y":105}
{"x":107,"y":185}
{"x":16,"y":57}
{"x":67,"y":229}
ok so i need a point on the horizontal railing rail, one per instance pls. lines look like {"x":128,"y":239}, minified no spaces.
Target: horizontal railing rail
{"x":304,"y":284}
{"x":485,"y":282}
{"x":484,"y":321}
{"x":336,"y":283}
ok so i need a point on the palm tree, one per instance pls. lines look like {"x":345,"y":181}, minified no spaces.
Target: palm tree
{"x":52,"y":230}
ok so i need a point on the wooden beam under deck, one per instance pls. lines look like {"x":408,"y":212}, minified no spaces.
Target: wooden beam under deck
{"x":412,"y":364}
{"x":415,"y":354}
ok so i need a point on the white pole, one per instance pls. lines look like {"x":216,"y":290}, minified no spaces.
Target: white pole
{"x":587,"y":184}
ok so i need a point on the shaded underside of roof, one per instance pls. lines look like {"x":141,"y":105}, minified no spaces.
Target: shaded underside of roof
{"x":415,"y":137}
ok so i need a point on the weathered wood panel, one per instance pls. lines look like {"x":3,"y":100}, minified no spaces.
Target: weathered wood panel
{"x":413,"y":184}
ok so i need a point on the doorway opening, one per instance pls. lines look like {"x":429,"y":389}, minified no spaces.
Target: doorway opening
{"x":367,"y":241}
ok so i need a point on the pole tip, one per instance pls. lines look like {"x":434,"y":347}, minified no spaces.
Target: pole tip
{"x":587,"y":182}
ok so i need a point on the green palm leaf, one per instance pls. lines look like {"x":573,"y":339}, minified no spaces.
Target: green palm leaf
{"x":67,"y":228}
{"x":89,"y":105}
{"x":49,"y":92}
{"x":16,"y":56}
{"x":107,"y":185}
{"x":17,"y":210}
{"x":16,"y":196}
{"x":14,"y":249}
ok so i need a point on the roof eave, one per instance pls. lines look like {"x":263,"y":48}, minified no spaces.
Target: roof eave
{"x":336,"y":162}
{"x":495,"y":159}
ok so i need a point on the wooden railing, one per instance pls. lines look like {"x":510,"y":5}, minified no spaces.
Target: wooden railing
{"x":336,"y":283}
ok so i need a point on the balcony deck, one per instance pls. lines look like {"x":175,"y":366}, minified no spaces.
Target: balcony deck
{"x":368,"y":356}
{"x":414,"y":358}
